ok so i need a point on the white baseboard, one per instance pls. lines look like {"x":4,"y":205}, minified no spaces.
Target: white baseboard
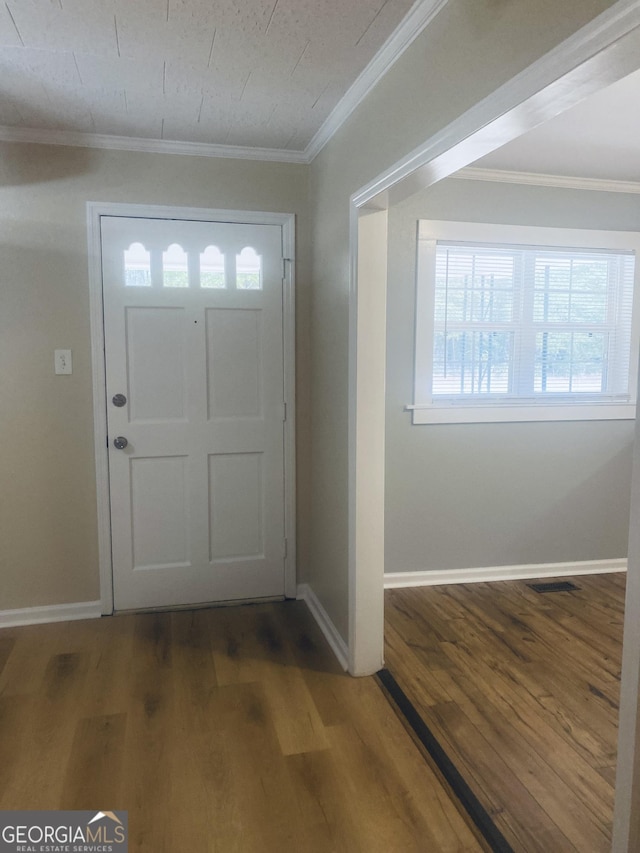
{"x":331,"y":634}
{"x":52,"y":613}
{"x":395,"y":580}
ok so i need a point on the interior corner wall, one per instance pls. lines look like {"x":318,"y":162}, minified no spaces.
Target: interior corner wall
{"x":471,"y":495}
{"x":48,"y":521}
{"x":48,"y":547}
{"x":469,"y":50}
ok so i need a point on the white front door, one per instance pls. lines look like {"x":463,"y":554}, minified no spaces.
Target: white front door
{"x":193,"y":316}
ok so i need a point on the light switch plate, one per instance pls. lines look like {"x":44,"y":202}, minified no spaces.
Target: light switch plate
{"x":62,"y":361}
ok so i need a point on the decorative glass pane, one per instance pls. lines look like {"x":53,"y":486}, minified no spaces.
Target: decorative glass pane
{"x":248,"y":270}
{"x":137,"y":266}
{"x":212,"y":268}
{"x":175,"y":267}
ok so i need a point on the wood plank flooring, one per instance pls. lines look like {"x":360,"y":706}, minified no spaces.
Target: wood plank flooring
{"x":522,"y":690}
{"x":229,"y":729}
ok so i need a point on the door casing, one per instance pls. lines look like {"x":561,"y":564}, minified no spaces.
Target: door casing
{"x":95,"y":210}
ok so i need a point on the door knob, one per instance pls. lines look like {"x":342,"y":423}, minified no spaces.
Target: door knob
{"x":119,"y":400}
{"x":120,"y":442}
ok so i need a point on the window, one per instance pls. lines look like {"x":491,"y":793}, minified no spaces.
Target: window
{"x":212,"y":268}
{"x":175,"y":267}
{"x":248,"y":270}
{"x":522,"y":323}
{"x":137,"y":266}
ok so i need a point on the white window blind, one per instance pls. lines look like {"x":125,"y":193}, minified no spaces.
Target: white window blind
{"x":524,"y":325}
{"x":527,"y":321}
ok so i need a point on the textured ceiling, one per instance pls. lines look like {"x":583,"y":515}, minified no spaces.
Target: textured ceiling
{"x":259,"y":73}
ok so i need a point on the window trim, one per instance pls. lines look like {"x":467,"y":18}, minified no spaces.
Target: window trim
{"x":427,"y":411}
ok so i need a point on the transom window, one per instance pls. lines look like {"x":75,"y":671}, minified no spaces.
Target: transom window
{"x":248,"y":270}
{"x":137,"y":266}
{"x":512,"y":329}
{"x":175,"y":267}
{"x":212,"y":268}
{"x":209,"y":269}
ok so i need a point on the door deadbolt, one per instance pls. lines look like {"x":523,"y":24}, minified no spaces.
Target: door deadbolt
{"x":119,"y":400}
{"x":120,"y":442}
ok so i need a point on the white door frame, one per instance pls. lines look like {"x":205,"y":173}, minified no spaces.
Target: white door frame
{"x":599,"y":54}
{"x":287,"y":222}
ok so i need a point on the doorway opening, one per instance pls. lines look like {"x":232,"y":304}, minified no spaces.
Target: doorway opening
{"x":530,"y":100}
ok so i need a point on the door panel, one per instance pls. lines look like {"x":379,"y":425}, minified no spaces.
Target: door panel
{"x":159,"y":512}
{"x":194,"y":340}
{"x":234,"y":346}
{"x":156,"y":363}
{"x":236,"y":497}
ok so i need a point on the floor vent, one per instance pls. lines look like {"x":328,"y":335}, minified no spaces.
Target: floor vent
{"x":553,"y":586}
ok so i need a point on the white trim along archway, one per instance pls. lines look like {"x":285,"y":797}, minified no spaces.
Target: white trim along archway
{"x":598,"y":55}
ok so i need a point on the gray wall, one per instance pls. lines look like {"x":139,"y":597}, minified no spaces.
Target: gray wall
{"x":470,"y":495}
{"x":468,"y":51}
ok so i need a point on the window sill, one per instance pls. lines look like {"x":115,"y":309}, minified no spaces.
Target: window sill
{"x":479,"y":414}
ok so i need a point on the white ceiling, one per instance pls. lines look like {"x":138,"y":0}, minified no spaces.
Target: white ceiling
{"x":256,"y":73}
{"x":598,"y":138}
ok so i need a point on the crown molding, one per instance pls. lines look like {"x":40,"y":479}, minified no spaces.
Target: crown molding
{"x":418,"y":17}
{"x":533,"y":96}
{"x":148,"y":146}
{"x":535,"y":179}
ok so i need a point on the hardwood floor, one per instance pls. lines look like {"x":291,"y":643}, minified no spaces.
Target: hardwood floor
{"x":229,"y":729}
{"x":521,"y":689}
